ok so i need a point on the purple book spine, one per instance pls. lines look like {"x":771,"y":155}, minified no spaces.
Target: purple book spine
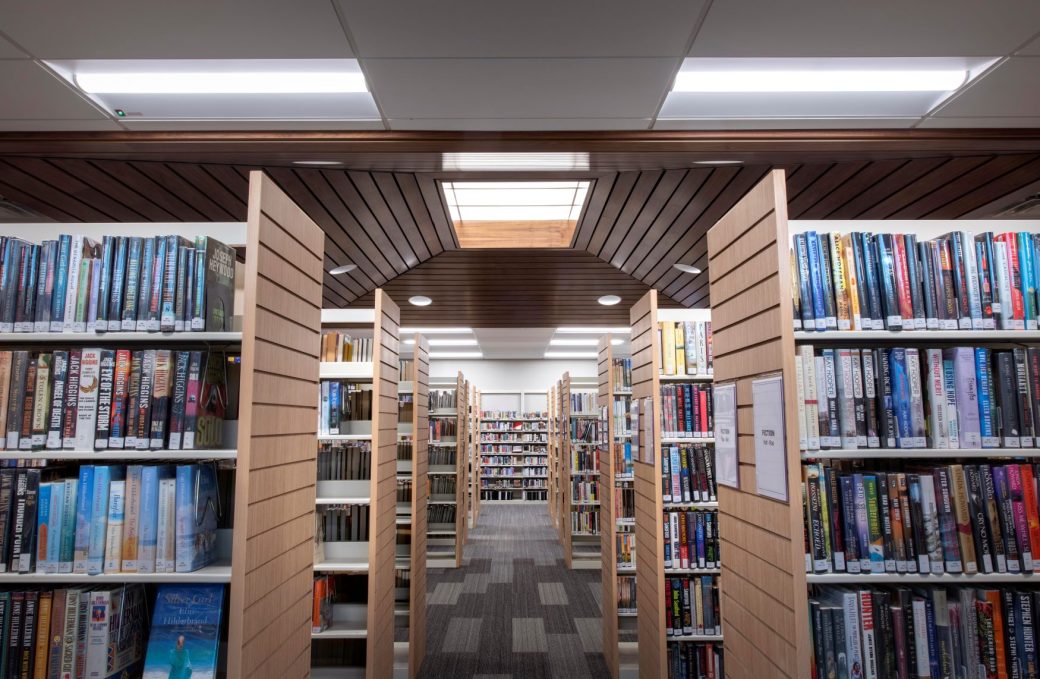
{"x":1018,"y":509}
{"x":966,"y":382}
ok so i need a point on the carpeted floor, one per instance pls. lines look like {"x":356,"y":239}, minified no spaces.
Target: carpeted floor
{"x":513,"y":611}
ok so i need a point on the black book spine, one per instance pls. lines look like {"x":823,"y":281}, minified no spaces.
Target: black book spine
{"x":870,"y":276}
{"x":985,"y":273}
{"x":887,"y":276}
{"x":859,"y":264}
{"x":979,"y":526}
{"x":886,"y":408}
{"x":885,"y":511}
{"x":928,"y":286}
{"x":28,"y":401}
{"x":105,"y":285}
{"x":826,"y":275}
{"x":952,"y":306}
{"x":16,"y":398}
{"x":117,"y":285}
{"x":1025,"y":404}
{"x":913,"y":269}
{"x":27,"y":556}
{"x":133,"y":282}
{"x":1033,"y":377}
{"x":1007,"y":393}
{"x":32,"y":600}
{"x":59,"y":385}
{"x":960,"y":279}
{"x":14,"y":635}
{"x":21,"y":483}
{"x":106,"y":379}
{"x":7,"y":489}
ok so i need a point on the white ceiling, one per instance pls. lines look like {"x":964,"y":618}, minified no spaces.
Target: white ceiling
{"x":536,"y":65}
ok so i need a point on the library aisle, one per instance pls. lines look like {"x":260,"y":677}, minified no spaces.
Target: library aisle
{"x":514,"y":610}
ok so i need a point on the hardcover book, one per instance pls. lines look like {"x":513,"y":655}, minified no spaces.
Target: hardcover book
{"x":185,"y":633}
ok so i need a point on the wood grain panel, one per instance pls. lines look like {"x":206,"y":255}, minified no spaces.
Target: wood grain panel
{"x":764,"y":611}
{"x":566,"y":455}
{"x":608,"y":526}
{"x":420,"y":496}
{"x":461,"y":466}
{"x":272,"y":554}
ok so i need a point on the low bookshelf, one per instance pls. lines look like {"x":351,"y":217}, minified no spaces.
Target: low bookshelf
{"x":448,"y":476}
{"x":252,"y":537}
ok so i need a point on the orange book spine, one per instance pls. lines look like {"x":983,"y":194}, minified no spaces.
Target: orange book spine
{"x":1029,"y":497}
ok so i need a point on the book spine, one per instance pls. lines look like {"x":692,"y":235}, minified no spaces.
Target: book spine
{"x":812,"y":246}
{"x":168,"y":309}
{"x":79,"y":319}
{"x":181,"y":291}
{"x":1010,"y":435}
{"x":828,"y":371}
{"x":951,"y":311}
{"x":198,"y":318}
{"x":106,"y":377}
{"x":67,"y":543}
{"x":156,"y":289}
{"x":971,"y":273}
{"x":84,"y":507}
{"x":962,"y":519}
{"x":960,"y":280}
{"x":114,"y":526}
{"x":965,"y":379}
{"x":135,"y":253}
{"x":1026,"y":269}
{"x":1023,"y":400}
{"x":829,"y":301}
{"x":1018,"y":515}
{"x":185,"y":519}
{"x":120,"y":389}
{"x":843,"y":307}
{"x":61,"y":282}
{"x":144,"y":286}
{"x":191,"y":405}
{"x":179,"y":399}
{"x":148,"y":520}
{"x":59,"y":386}
{"x":806,"y":299}
{"x":144,"y":400}
{"x":937,"y":399}
{"x":983,"y":259}
{"x":953,"y":434}
{"x":901,"y":397}
{"x":160,"y":398}
{"x":165,"y":554}
{"x":913,"y":370}
{"x":42,"y":400}
{"x":1015,"y":281}
{"x":903,"y":282}
{"x":130,"y":541}
{"x":931,"y":301}
{"x":39,"y":304}
{"x":117,"y":285}
{"x":993,"y":520}
{"x":852,"y":270}
{"x":189,"y":288}
{"x":913,"y":273}
{"x":100,"y":316}
{"x":87,"y":399}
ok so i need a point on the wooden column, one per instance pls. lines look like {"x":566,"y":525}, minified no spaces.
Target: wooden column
{"x":383,"y":508}
{"x":420,"y":495}
{"x":272,"y":554}
{"x":764,"y":606}
{"x":607,"y":521}
{"x":565,"y":471}
{"x":462,"y":465}
{"x":649,"y":510}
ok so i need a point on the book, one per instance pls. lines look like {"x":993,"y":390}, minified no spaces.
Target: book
{"x":89,"y":379}
{"x":185,"y":632}
{"x":216,"y":286}
{"x":196,"y":517}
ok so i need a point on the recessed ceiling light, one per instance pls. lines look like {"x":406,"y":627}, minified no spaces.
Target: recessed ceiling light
{"x":819,"y":80}
{"x":609,"y":300}
{"x":318,"y":163}
{"x":571,"y":354}
{"x":346,"y":268}
{"x":432,"y":331}
{"x":574,"y":330}
{"x":220,"y":82}
{"x":718,"y":162}
{"x":456,"y":354}
{"x":515,"y":161}
{"x":420,"y":300}
{"x":453,"y":342}
{"x":686,"y":268}
{"x":560,"y":342}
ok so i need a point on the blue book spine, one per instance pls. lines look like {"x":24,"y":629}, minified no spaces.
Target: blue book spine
{"x":674,"y":474}
{"x":1025,"y":264}
{"x":98,"y":520}
{"x":61,"y":283}
{"x":933,"y":641}
{"x":186,"y":526}
{"x":684,"y":479}
{"x":901,"y":397}
{"x":1035,"y":257}
{"x":54,"y":525}
{"x":198,"y":318}
{"x":148,"y":523}
{"x":985,"y":405}
{"x":801,"y":258}
{"x":84,"y":509}
{"x":700,"y":539}
{"x":334,"y":407}
{"x":812,"y":243}
{"x":43,"y":518}
{"x":133,"y":282}
{"x":67,"y":549}
{"x":118,"y":283}
{"x":688,"y":407}
{"x":105,"y":284}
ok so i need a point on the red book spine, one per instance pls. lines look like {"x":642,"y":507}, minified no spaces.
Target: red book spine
{"x":1014,"y":276}
{"x":678,"y":420}
{"x":703,"y":421}
{"x":1029,"y":498}
{"x":906,"y":308}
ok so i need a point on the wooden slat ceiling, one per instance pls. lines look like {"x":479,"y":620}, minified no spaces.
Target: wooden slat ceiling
{"x":635,"y":226}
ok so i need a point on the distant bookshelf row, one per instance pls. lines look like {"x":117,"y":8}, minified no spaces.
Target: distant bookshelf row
{"x":893,"y":281}
{"x":123,"y":283}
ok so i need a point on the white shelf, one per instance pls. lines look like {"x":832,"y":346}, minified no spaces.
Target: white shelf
{"x":342,"y":500}
{"x":696,"y":637}
{"x":938,"y":579}
{"x":695,"y":505}
{"x":341,"y":567}
{"x":120,"y":337}
{"x":867,"y":336}
{"x":346,"y":370}
{"x":692,"y":571}
{"x":342,"y":631}
{"x":343,"y":672}
{"x":219,"y":572}
{"x":917,"y":453}
{"x":703,"y":439}
{"x":700,"y":377}
{"x":443,"y":413}
{"x":627,"y":614}
{"x":330,"y":438}
{"x":124,"y":454}
{"x":441,"y":502}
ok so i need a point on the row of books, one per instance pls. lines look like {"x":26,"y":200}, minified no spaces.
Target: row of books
{"x":692,"y":605}
{"x":924,"y":632}
{"x":510,"y":437}
{"x":621,"y":414}
{"x":623,"y":459}
{"x":97,"y":399}
{"x":624,"y":501}
{"x":687,"y":411}
{"x":440,"y":513}
{"x":622,"y":373}
{"x":404,"y":450}
{"x":81,"y":633}
{"x":583,"y":403}
{"x":956,"y":397}
{"x":342,"y":402}
{"x":512,"y":461}
{"x":513,"y":415}
{"x":323,"y":594}
{"x":585,"y":430}
{"x":342,"y":523}
{"x":688,"y":474}
{"x":626,"y":550}
{"x":441,"y":456}
{"x":109,"y":519}
{"x":442,"y":399}
{"x":340,"y":347}
{"x":626,"y":594}
{"x":942,"y":519}
{"x":443,"y":429}
{"x":75,"y":284}
{"x":887,"y":281}
{"x":584,"y":489}
{"x":585,"y":521}
{"x":352,"y":462}
{"x":441,"y":484}
{"x":516,"y":483}
{"x":530,"y":448}
{"x":691,"y":539}
{"x":585,"y":459}
{"x":685,"y":348}
{"x":404,"y":491}
{"x":695,"y":661}
{"x":405,"y":408}
{"x":499,"y":472}
{"x":519,"y":425}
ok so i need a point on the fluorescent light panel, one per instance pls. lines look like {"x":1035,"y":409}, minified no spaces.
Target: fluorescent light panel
{"x":514,"y":201}
{"x":564,"y":342}
{"x":571,"y":354}
{"x":222,"y":82}
{"x":514,"y":161}
{"x":456,"y":354}
{"x":819,"y":81}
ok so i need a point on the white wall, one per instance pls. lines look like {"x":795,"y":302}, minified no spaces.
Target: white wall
{"x":519,"y":375}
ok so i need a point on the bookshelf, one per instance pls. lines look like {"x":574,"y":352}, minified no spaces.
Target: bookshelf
{"x":579,"y":476}
{"x":550,"y":450}
{"x":649,"y":379}
{"x":263,"y":542}
{"x":416,"y":472}
{"x":361,"y":636}
{"x":752,"y":292}
{"x":514,"y":447}
{"x":473,"y":453}
{"x":446,"y":538}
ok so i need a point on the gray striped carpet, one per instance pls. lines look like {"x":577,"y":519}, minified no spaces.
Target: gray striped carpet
{"x":513,"y":611}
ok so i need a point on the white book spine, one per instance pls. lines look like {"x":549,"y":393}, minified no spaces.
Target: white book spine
{"x":72,"y":282}
{"x":86,"y":414}
{"x":971,"y":270}
{"x":937,"y":399}
{"x":114,"y":536}
{"x":803,"y":427}
{"x":1003,"y":285}
{"x":812,"y":412}
{"x":913,"y":369}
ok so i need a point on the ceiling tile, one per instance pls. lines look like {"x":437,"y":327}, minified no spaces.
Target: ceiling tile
{"x":40,"y":95}
{"x":781,"y":123}
{"x":942,"y":28}
{"x":1009,"y":90}
{"x":519,"y":123}
{"x":518,"y":88}
{"x":9,"y":51}
{"x":198,"y":29}
{"x":536,"y":28}
{"x":34,"y":125}
{"x":1008,"y":121}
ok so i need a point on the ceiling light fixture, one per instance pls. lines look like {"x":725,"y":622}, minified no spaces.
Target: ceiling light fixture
{"x":420,"y":300}
{"x":609,"y":300}
{"x":452,"y":342}
{"x":514,"y":161}
{"x":345,"y":268}
{"x":686,"y":268}
{"x":570,"y":354}
{"x":718,"y":162}
{"x":822,"y":80}
{"x":456,"y":354}
{"x":574,"y":330}
{"x":221,"y":82}
{"x":433,"y":331}
{"x":561,"y":342}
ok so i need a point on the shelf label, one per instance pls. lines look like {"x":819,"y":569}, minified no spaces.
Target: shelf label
{"x":727,"y":468}
{"x":767,"y":405}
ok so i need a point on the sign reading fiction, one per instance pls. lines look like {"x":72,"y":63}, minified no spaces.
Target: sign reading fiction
{"x":727,"y":469}
{"x":767,"y":404}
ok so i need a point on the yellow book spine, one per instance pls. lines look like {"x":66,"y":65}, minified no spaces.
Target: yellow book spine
{"x":851,"y":282}
{"x":668,"y":347}
{"x":841,"y":295}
